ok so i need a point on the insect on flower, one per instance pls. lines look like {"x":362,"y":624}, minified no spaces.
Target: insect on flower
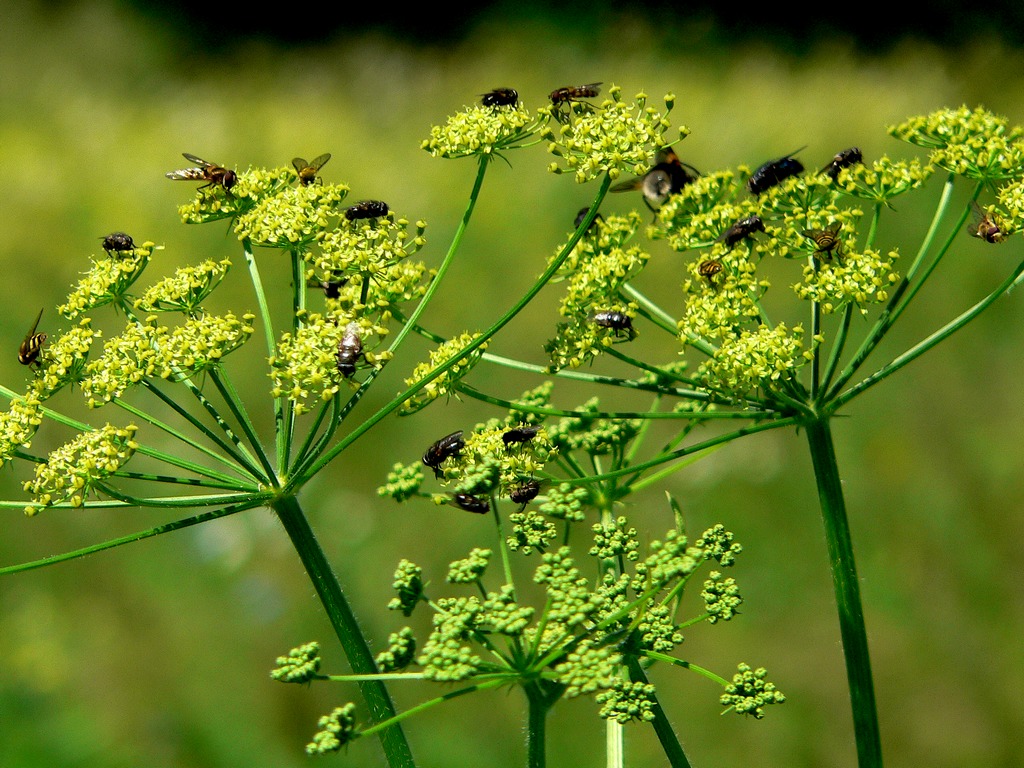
{"x":843,"y":159}
{"x":471,"y":503}
{"x":331,"y":288}
{"x":668,"y":176}
{"x":826,"y":241}
{"x":366,"y":209}
{"x":581,"y":215}
{"x":518,"y":435}
{"x":500,"y":97}
{"x":350,"y":349}
{"x":447,"y":447}
{"x":774,"y":172}
{"x":742,"y":229}
{"x":708,"y":269}
{"x":571,"y":95}
{"x":211,"y":173}
{"x":617,"y":321}
{"x":524,"y":493}
{"x":117,"y":241}
{"x":30,"y":348}
{"x":986,"y":226}
{"x":308,"y":171}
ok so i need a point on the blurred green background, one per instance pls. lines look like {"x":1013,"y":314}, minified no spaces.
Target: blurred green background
{"x":158,"y":654}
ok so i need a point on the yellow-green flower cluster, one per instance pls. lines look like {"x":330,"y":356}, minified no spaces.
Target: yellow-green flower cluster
{"x":721,"y":597}
{"x":368,"y":246}
{"x":1011,"y":197}
{"x":479,"y":130}
{"x":618,"y":137}
{"x":884,"y":179}
{"x":71,"y":471}
{"x":750,"y":692}
{"x":185,"y":290}
{"x":445,"y":384}
{"x":717,"y":305}
{"x":946,"y":127}
{"x":858,"y":278}
{"x":18,"y":425}
{"x":973,"y":143}
{"x":397,"y":284}
{"x":595,"y":318}
{"x":695,"y":209}
{"x":755,"y":358}
{"x":605,"y":235}
{"x":300,"y":665}
{"x":701,"y":229}
{"x":625,"y":701}
{"x":798,"y":196}
{"x":336,"y":730}
{"x":401,"y":651}
{"x":305,"y":368}
{"x":127,"y":359}
{"x":213,"y":202}
{"x":107,"y":281}
{"x":294,"y":218}
{"x":201,"y":343}
{"x":64,"y":360}
{"x":486,"y":464}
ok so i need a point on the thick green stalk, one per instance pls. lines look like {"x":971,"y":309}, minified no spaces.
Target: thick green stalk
{"x":536,"y":729}
{"x":360,"y":658}
{"x":662,"y":726}
{"x":847,"y":589}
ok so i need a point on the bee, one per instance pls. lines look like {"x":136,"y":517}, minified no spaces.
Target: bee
{"x":350,"y":349}
{"x":774,"y":172}
{"x":826,"y":240}
{"x":331,"y":288}
{"x":500,"y":97}
{"x":843,"y":159}
{"x":211,"y":173}
{"x":308,"y":171}
{"x":617,"y":321}
{"x":524,"y":493}
{"x":519,"y":435}
{"x":367,"y":209}
{"x":30,"y":348}
{"x":742,"y":229}
{"x":708,"y":269}
{"x":569,"y":93}
{"x":986,"y":225}
{"x":668,"y":176}
{"x":118,"y":241}
{"x":471,"y":503}
{"x":447,"y":447}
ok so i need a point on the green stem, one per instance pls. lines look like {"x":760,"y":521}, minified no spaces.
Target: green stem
{"x":234,"y":402}
{"x":847,"y":589}
{"x":662,"y":727}
{"x":934,"y":339}
{"x":536,"y":730}
{"x":357,"y":650}
{"x":478,"y":342}
{"x":256,"y":501}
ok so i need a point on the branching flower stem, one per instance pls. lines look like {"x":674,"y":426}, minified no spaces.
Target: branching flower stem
{"x":847,"y":590}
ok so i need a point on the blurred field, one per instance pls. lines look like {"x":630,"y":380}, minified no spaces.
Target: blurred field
{"x":158,"y":654}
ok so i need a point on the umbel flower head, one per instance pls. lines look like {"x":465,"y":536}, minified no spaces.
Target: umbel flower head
{"x":301,"y":665}
{"x":293,"y":218}
{"x":18,"y":425}
{"x":480,"y":130}
{"x":615,"y":138}
{"x":305,"y":368}
{"x":185,"y":290}
{"x":127,"y":359}
{"x":445,"y":384}
{"x":72,"y":470}
{"x":108,"y":281}
{"x":65,"y":360}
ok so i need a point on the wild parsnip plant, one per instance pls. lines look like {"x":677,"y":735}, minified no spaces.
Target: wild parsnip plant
{"x":603,"y":607}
